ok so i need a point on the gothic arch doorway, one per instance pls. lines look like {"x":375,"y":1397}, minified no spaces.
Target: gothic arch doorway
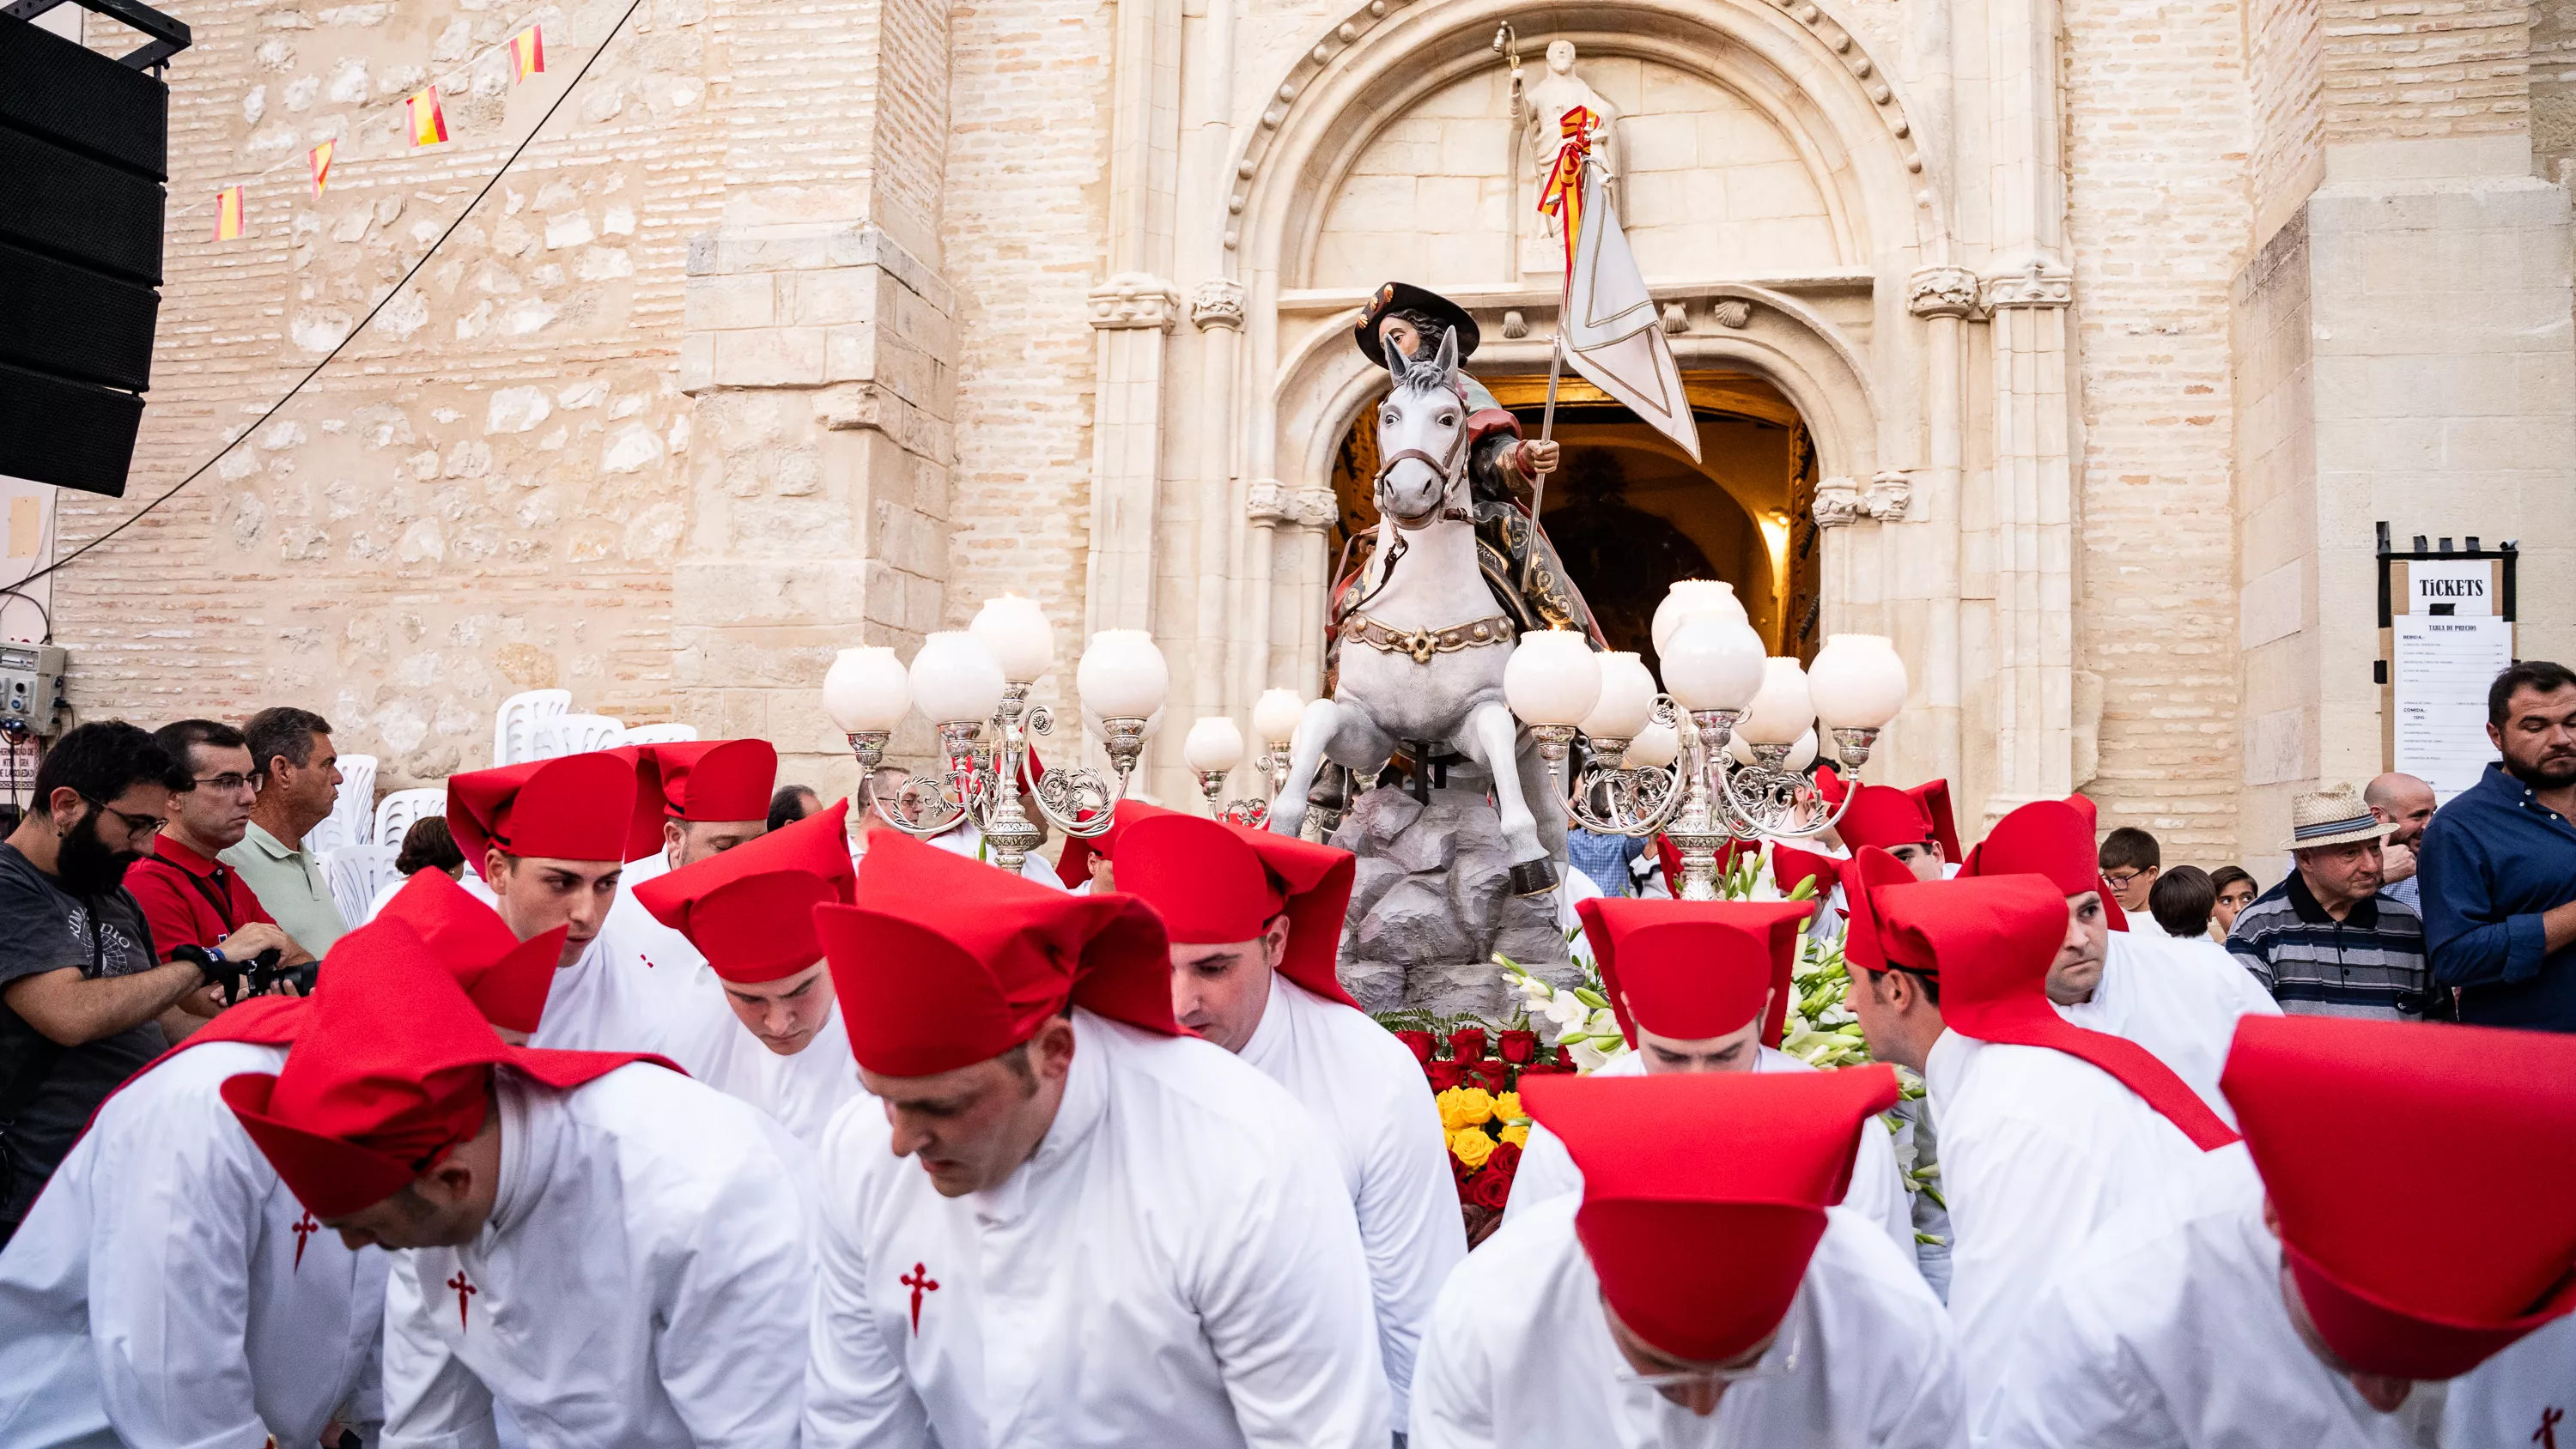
{"x":1630,"y":513}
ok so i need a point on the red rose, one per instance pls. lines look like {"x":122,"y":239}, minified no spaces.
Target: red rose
{"x":1445,"y":1075}
{"x":1467,"y":1044}
{"x":1519,"y":1046}
{"x":1491,"y":1074}
{"x":1465,"y":1175}
{"x":1565,"y":1059}
{"x":1491,"y":1189}
{"x":1418,"y":1043}
{"x":1506,"y":1160}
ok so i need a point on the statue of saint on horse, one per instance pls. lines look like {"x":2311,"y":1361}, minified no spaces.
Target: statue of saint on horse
{"x":1426,"y":634}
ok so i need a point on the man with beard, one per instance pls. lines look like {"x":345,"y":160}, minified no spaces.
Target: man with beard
{"x":82,"y":993}
{"x":2499,"y":862}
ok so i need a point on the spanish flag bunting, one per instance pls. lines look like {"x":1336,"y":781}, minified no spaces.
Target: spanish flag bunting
{"x":322,"y":166}
{"x":228,"y":213}
{"x":528,"y":53}
{"x":428,"y":122}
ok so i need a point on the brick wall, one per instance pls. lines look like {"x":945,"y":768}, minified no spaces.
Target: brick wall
{"x":2158,"y":223}
{"x":2553,"y":86}
{"x":2412,"y":68}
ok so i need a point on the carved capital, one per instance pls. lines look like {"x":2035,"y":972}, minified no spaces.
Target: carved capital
{"x":2041,"y":282}
{"x":1217,"y":302}
{"x":1888,"y":496}
{"x":1133,"y":300}
{"x":1271,"y":502}
{"x":1837,"y":502}
{"x":1314,"y":507}
{"x":1942,"y":292}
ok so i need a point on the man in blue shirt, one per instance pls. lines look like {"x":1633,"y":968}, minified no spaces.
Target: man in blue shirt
{"x":2499,"y":862}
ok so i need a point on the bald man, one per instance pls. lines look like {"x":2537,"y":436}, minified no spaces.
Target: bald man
{"x":2407,"y":803}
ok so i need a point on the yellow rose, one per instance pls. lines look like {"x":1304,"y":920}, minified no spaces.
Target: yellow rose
{"x":1471,"y":1146}
{"x":1463,"y":1107}
{"x":1517,"y":1134}
{"x":1507,"y":1107}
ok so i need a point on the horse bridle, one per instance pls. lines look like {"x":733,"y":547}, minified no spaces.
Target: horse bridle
{"x":1447,"y":467}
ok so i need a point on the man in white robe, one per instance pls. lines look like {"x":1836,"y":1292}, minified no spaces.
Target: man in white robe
{"x":2415,"y":1220}
{"x":2048,"y":1131}
{"x":1693,"y":984}
{"x":167,"y":1289}
{"x":1698,"y":1291}
{"x":712,"y":795}
{"x":1113,"y":1234}
{"x":590,"y":1242}
{"x":766,"y":1027}
{"x":1255,"y":921}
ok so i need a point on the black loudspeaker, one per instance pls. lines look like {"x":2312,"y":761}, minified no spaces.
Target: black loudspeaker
{"x":84,"y":147}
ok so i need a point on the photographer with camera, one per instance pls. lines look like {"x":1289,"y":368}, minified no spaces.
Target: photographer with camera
{"x":189,"y":896}
{"x":82,"y":993}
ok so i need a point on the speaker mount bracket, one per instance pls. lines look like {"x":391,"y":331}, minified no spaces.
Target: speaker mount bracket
{"x":169,"y":34}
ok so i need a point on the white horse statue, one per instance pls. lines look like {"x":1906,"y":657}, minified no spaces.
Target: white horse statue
{"x":1423,"y":651}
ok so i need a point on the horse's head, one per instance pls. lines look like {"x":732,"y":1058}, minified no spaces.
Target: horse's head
{"x":1422,"y":435}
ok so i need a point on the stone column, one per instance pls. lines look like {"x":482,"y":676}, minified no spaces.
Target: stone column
{"x":1132,"y":313}
{"x":1946,"y":298}
{"x":2031,"y":635}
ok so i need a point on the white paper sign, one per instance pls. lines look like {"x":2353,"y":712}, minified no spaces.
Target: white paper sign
{"x":2467,"y":585}
{"x":2443,"y":668}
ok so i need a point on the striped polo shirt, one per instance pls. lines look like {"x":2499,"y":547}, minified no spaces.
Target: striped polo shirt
{"x":2369,"y":964}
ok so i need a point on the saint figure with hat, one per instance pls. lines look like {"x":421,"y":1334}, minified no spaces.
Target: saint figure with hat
{"x":1701,"y":1288}
{"x":1064,"y":1219}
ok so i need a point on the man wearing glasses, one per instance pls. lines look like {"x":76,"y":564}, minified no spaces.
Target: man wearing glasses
{"x":189,"y":897}
{"x":82,"y":992}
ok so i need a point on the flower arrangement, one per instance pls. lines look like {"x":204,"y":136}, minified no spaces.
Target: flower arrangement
{"x":1475,"y":1072}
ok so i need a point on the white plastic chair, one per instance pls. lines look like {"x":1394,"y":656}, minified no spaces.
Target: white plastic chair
{"x":396,"y":812}
{"x":352,"y":812}
{"x":355,"y":873}
{"x":523,"y":722}
{"x":660,"y":734}
{"x":579,"y":734}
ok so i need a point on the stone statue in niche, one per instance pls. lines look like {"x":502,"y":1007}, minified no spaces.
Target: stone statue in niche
{"x":1539,"y":107}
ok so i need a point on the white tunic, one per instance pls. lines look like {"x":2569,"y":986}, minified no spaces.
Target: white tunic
{"x":1176,"y":1264}
{"x":2172,"y":1335}
{"x":800,"y":1092}
{"x":664,"y":955}
{"x":642,"y":1282}
{"x":1877,"y":1191}
{"x":2038,"y":1150}
{"x":1366,"y":1091}
{"x":2179,"y":1002}
{"x":603,"y":1001}
{"x":1519,"y":1353}
{"x":167,"y":1289}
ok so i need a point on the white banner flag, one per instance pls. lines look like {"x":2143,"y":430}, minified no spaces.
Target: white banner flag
{"x":1613,"y":331}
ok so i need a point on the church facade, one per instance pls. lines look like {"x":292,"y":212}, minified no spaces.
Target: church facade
{"x":2078,"y":345}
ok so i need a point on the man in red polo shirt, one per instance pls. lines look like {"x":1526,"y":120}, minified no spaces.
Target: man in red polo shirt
{"x":190,"y":898}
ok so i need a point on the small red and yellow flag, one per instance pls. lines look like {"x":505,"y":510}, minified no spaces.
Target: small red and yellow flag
{"x":528,"y":53}
{"x":321,"y":159}
{"x":228,"y":209}
{"x":428,"y":121}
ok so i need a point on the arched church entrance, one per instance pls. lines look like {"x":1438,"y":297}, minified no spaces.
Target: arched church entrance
{"x":1630,"y":513}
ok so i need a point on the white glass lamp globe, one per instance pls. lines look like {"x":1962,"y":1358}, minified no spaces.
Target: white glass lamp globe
{"x":955,"y":679}
{"x":1781,"y":710}
{"x":1553,"y":678}
{"x":866,"y":690}
{"x":1689,"y":597}
{"x":1857,"y":681}
{"x":1654,"y":748}
{"x":1276,"y":713}
{"x":1800,"y":756}
{"x":1019,"y":634}
{"x":1122,"y":675}
{"x":1713,"y":662}
{"x":1213,"y":744}
{"x":1627,"y":698}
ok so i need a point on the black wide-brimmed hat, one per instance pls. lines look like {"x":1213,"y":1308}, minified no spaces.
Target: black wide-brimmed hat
{"x":1406,"y":297}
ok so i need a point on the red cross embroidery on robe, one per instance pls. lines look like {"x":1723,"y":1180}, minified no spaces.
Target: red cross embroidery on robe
{"x":920,"y":1282}
{"x":464,"y":1290}
{"x":647,"y":960}
{"x":304,"y":1229}
{"x":2546,"y":1436}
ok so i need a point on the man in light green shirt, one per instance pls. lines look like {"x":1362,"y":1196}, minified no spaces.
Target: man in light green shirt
{"x":299,"y":780}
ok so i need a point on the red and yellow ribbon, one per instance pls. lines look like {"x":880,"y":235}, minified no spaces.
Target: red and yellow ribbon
{"x":1562,"y":197}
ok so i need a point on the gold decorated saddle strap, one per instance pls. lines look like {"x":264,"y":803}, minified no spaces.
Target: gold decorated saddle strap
{"x":1423,"y":643}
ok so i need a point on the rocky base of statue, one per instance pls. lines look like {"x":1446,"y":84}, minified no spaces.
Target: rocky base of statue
{"x":1433,"y":902}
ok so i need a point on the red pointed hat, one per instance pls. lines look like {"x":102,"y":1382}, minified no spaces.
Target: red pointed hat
{"x":506,"y":978}
{"x":2053,"y":838}
{"x":1704,"y":1193}
{"x":945,"y":962}
{"x":2462,"y":1133}
{"x":1934,"y":797}
{"x":1995,"y":937}
{"x":702,"y":780}
{"x":1866,"y":873}
{"x":1214,"y":882}
{"x":575,"y":807}
{"x":1883,"y":816}
{"x":750,"y":909}
{"x":1692,"y":969}
{"x":391,"y":1073}
{"x":1073,"y":863}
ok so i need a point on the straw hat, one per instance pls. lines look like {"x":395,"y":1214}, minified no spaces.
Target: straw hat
{"x":2333,"y":817}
